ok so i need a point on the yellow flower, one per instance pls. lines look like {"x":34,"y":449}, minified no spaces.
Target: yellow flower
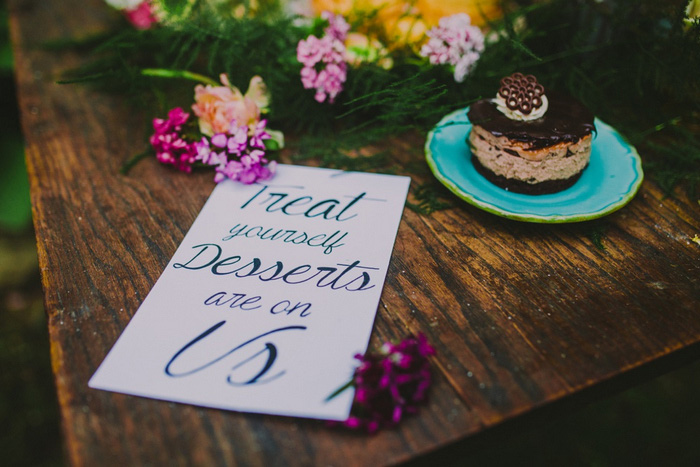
{"x":692,"y":12}
{"x":480,"y":11}
{"x":391,"y":11}
{"x":408,"y":30}
{"x":696,"y":239}
{"x":342,"y":7}
{"x":361,"y":49}
{"x":403,"y":22}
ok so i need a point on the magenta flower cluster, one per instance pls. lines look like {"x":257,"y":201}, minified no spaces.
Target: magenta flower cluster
{"x":325,"y":65}
{"x":168,"y":143}
{"x":391,"y":384}
{"x":238,"y":154}
{"x":455,"y":41}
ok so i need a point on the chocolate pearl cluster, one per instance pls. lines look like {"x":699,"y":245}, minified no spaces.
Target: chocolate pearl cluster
{"x":521,"y":92}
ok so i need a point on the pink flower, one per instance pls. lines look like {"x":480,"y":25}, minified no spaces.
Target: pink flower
{"x":308,"y":77}
{"x":337,"y":26}
{"x":168,"y":143}
{"x":217,"y":106}
{"x":455,"y":41}
{"x":324,"y":60}
{"x":390,"y":384}
{"x":311,"y":51}
{"x":141,"y":16}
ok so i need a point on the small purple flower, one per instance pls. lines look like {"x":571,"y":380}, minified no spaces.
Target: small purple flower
{"x":390,"y":384}
{"x":258,"y":135}
{"x":220,"y":140}
{"x":168,"y":144}
{"x":455,"y":41}
{"x":229,"y":169}
{"x":242,"y":155}
{"x":238,"y":139}
{"x":206,"y":155}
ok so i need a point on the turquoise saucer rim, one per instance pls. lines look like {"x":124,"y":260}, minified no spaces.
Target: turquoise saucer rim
{"x":492,"y":198}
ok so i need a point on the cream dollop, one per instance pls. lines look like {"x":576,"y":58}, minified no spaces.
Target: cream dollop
{"x":518,"y":115}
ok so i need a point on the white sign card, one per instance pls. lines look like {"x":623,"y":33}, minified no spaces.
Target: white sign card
{"x":270,"y":295}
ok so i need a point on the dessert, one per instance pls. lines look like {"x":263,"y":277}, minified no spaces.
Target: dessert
{"x":529,"y":141}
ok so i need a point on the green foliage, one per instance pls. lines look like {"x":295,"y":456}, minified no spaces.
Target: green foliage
{"x":15,"y":208}
{"x":5,"y":49}
{"x":176,"y":8}
{"x":431,"y":197}
{"x":633,"y":62}
{"x":595,"y":231}
{"x":676,"y":159}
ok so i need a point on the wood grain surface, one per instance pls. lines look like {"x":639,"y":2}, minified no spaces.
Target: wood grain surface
{"x":522,"y":315}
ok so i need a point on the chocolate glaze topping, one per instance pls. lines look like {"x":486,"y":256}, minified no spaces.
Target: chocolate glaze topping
{"x":566,"y":120}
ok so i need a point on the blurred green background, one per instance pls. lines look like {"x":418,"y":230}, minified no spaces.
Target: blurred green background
{"x":657,"y":423}
{"x":30,"y":433}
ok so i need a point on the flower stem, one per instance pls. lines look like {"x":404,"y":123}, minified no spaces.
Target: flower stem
{"x":184,"y":74}
{"x":661,"y":126}
{"x":340,"y":389}
{"x":128,"y":165}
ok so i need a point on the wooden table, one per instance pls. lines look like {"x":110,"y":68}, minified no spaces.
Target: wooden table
{"x":524,"y":317}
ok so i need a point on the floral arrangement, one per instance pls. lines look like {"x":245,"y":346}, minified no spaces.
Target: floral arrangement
{"x":389,"y":384}
{"x":347,"y":74}
{"x":232,"y":137}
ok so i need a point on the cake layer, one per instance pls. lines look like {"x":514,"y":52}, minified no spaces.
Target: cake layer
{"x":510,"y":160}
{"x":516,"y":186}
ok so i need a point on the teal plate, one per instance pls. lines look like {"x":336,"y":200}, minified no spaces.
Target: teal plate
{"x":610,"y":181}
